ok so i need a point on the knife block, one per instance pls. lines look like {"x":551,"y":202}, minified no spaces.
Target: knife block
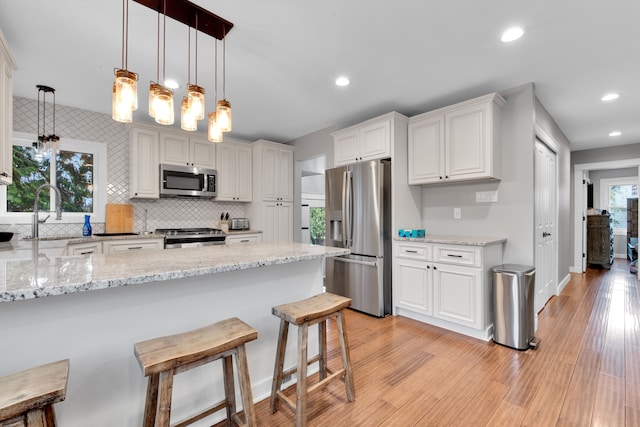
{"x":224,"y":225}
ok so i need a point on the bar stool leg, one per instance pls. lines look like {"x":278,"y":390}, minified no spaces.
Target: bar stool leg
{"x":322,"y":349}
{"x":36,"y":418}
{"x":277,"y":371}
{"x":165,"y":389}
{"x":151,"y":404}
{"x":346,"y":358}
{"x":229,"y":389}
{"x":245,"y":387}
{"x":301,"y":388}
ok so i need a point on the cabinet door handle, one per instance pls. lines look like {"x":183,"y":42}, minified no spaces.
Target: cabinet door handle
{"x":434,"y":267}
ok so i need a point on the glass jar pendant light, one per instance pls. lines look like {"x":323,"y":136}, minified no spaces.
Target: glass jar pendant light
{"x":214,"y":134}
{"x":223,"y":109}
{"x":187,"y":119}
{"x":163,"y":100}
{"x":195,"y":93}
{"x":125,"y":84}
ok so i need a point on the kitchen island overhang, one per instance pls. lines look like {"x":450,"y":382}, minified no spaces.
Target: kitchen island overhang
{"x":182,"y":290}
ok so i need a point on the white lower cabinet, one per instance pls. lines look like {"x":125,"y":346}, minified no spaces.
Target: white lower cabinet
{"x":457,"y":293}
{"x":278,"y":221}
{"x":84,"y":248}
{"x":446,"y":285}
{"x":115,"y":246}
{"x":416,"y":291}
{"x":243,"y":238}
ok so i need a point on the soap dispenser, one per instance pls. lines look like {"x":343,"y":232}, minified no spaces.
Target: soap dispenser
{"x":86,"y":228}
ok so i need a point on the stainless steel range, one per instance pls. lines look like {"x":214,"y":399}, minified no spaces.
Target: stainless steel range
{"x":191,"y":237}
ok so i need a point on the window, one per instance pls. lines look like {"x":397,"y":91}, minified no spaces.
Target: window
{"x":614,"y":193}
{"x":316,"y":225}
{"x":78,"y":169}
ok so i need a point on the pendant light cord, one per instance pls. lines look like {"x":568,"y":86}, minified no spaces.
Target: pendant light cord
{"x":164,"y":44}
{"x":196,"y":48}
{"x":189,"y":57}
{"x":158,"y":52}
{"x":224,"y":68}
{"x":215,"y":68}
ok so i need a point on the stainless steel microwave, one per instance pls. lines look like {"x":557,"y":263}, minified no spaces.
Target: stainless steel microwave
{"x":185,"y":181}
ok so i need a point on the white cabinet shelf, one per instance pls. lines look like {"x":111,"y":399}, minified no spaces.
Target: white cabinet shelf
{"x":456,"y":143}
{"x":7,"y":67}
{"x":234,"y":165}
{"x":446,"y":285}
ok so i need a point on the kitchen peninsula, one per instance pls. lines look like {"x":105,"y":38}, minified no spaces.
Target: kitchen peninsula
{"x":92,"y":309}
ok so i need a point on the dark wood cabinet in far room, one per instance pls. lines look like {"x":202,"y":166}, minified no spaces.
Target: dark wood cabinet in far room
{"x":599,"y":240}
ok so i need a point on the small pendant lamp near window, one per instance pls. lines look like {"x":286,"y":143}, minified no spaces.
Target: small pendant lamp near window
{"x":223,"y":109}
{"x":46,"y":142}
{"x":163,"y":103}
{"x":125,"y":84}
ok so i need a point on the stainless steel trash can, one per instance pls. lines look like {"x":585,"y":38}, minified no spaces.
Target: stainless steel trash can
{"x":513,"y":294}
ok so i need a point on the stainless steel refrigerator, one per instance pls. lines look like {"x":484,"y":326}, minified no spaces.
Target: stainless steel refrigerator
{"x":358,"y":217}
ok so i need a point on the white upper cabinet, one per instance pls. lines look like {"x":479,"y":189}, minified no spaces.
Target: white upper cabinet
{"x":185,"y":150}
{"x":456,"y":143}
{"x":144,"y":171}
{"x":272,"y":208}
{"x":7,"y":66}
{"x":366,"y":141}
{"x":273,"y":167}
{"x":234,"y":165}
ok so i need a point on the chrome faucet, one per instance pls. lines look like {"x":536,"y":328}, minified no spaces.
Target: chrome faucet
{"x":36,"y":220}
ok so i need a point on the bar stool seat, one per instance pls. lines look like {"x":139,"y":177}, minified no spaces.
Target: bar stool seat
{"x":315,"y":310}
{"x":27,"y":397}
{"x":162,"y":358}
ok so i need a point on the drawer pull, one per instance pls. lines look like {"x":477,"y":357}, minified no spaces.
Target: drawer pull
{"x":244,"y":241}
{"x":411,"y":251}
{"x":85,"y":253}
{"x":135,"y":247}
{"x":454,"y":256}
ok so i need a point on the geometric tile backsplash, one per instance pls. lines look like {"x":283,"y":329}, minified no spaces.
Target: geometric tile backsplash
{"x":86,"y":125}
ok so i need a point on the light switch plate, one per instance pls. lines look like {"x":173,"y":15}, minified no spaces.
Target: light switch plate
{"x":486,"y":196}
{"x":457,"y":213}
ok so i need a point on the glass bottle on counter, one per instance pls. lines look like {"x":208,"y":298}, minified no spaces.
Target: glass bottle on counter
{"x":86,"y":228}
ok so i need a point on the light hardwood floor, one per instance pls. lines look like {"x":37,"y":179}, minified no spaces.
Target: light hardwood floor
{"x":586,"y":371}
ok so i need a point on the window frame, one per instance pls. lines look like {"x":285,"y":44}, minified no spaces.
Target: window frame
{"x":99,"y":152}
{"x":605,"y":186}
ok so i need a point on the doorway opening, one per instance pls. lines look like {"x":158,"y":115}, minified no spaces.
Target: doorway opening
{"x":312,"y":200}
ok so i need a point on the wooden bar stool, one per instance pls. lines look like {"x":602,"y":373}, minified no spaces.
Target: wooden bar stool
{"x":27,"y":397}
{"x":311,"y":311}
{"x":162,"y":358}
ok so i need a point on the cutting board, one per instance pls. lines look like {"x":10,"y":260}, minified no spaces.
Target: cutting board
{"x":118,"y":218}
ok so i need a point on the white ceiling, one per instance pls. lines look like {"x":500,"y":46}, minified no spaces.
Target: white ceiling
{"x":409,"y":56}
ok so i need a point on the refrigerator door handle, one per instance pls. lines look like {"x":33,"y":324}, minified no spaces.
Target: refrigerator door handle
{"x":347,"y":213}
{"x":353,"y":261}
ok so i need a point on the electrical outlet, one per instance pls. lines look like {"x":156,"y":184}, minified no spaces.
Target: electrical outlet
{"x":486,"y":196}
{"x":457,"y":213}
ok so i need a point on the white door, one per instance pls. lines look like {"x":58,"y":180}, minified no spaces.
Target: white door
{"x":585,"y":181}
{"x":545,"y":224}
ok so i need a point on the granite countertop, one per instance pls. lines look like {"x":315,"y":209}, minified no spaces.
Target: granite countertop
{"x":454,"y":240}
{"x":43,"y":271}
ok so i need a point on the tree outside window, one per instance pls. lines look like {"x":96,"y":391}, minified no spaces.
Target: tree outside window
{"x":73,"y":176}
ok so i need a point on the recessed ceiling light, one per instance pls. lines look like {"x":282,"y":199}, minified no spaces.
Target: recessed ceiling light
{"x":610,"y":96}
{"x":171,"y":84}
{"x":512,"y":34}
{"x":342,"y":81}
{"x":615,"y":133}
